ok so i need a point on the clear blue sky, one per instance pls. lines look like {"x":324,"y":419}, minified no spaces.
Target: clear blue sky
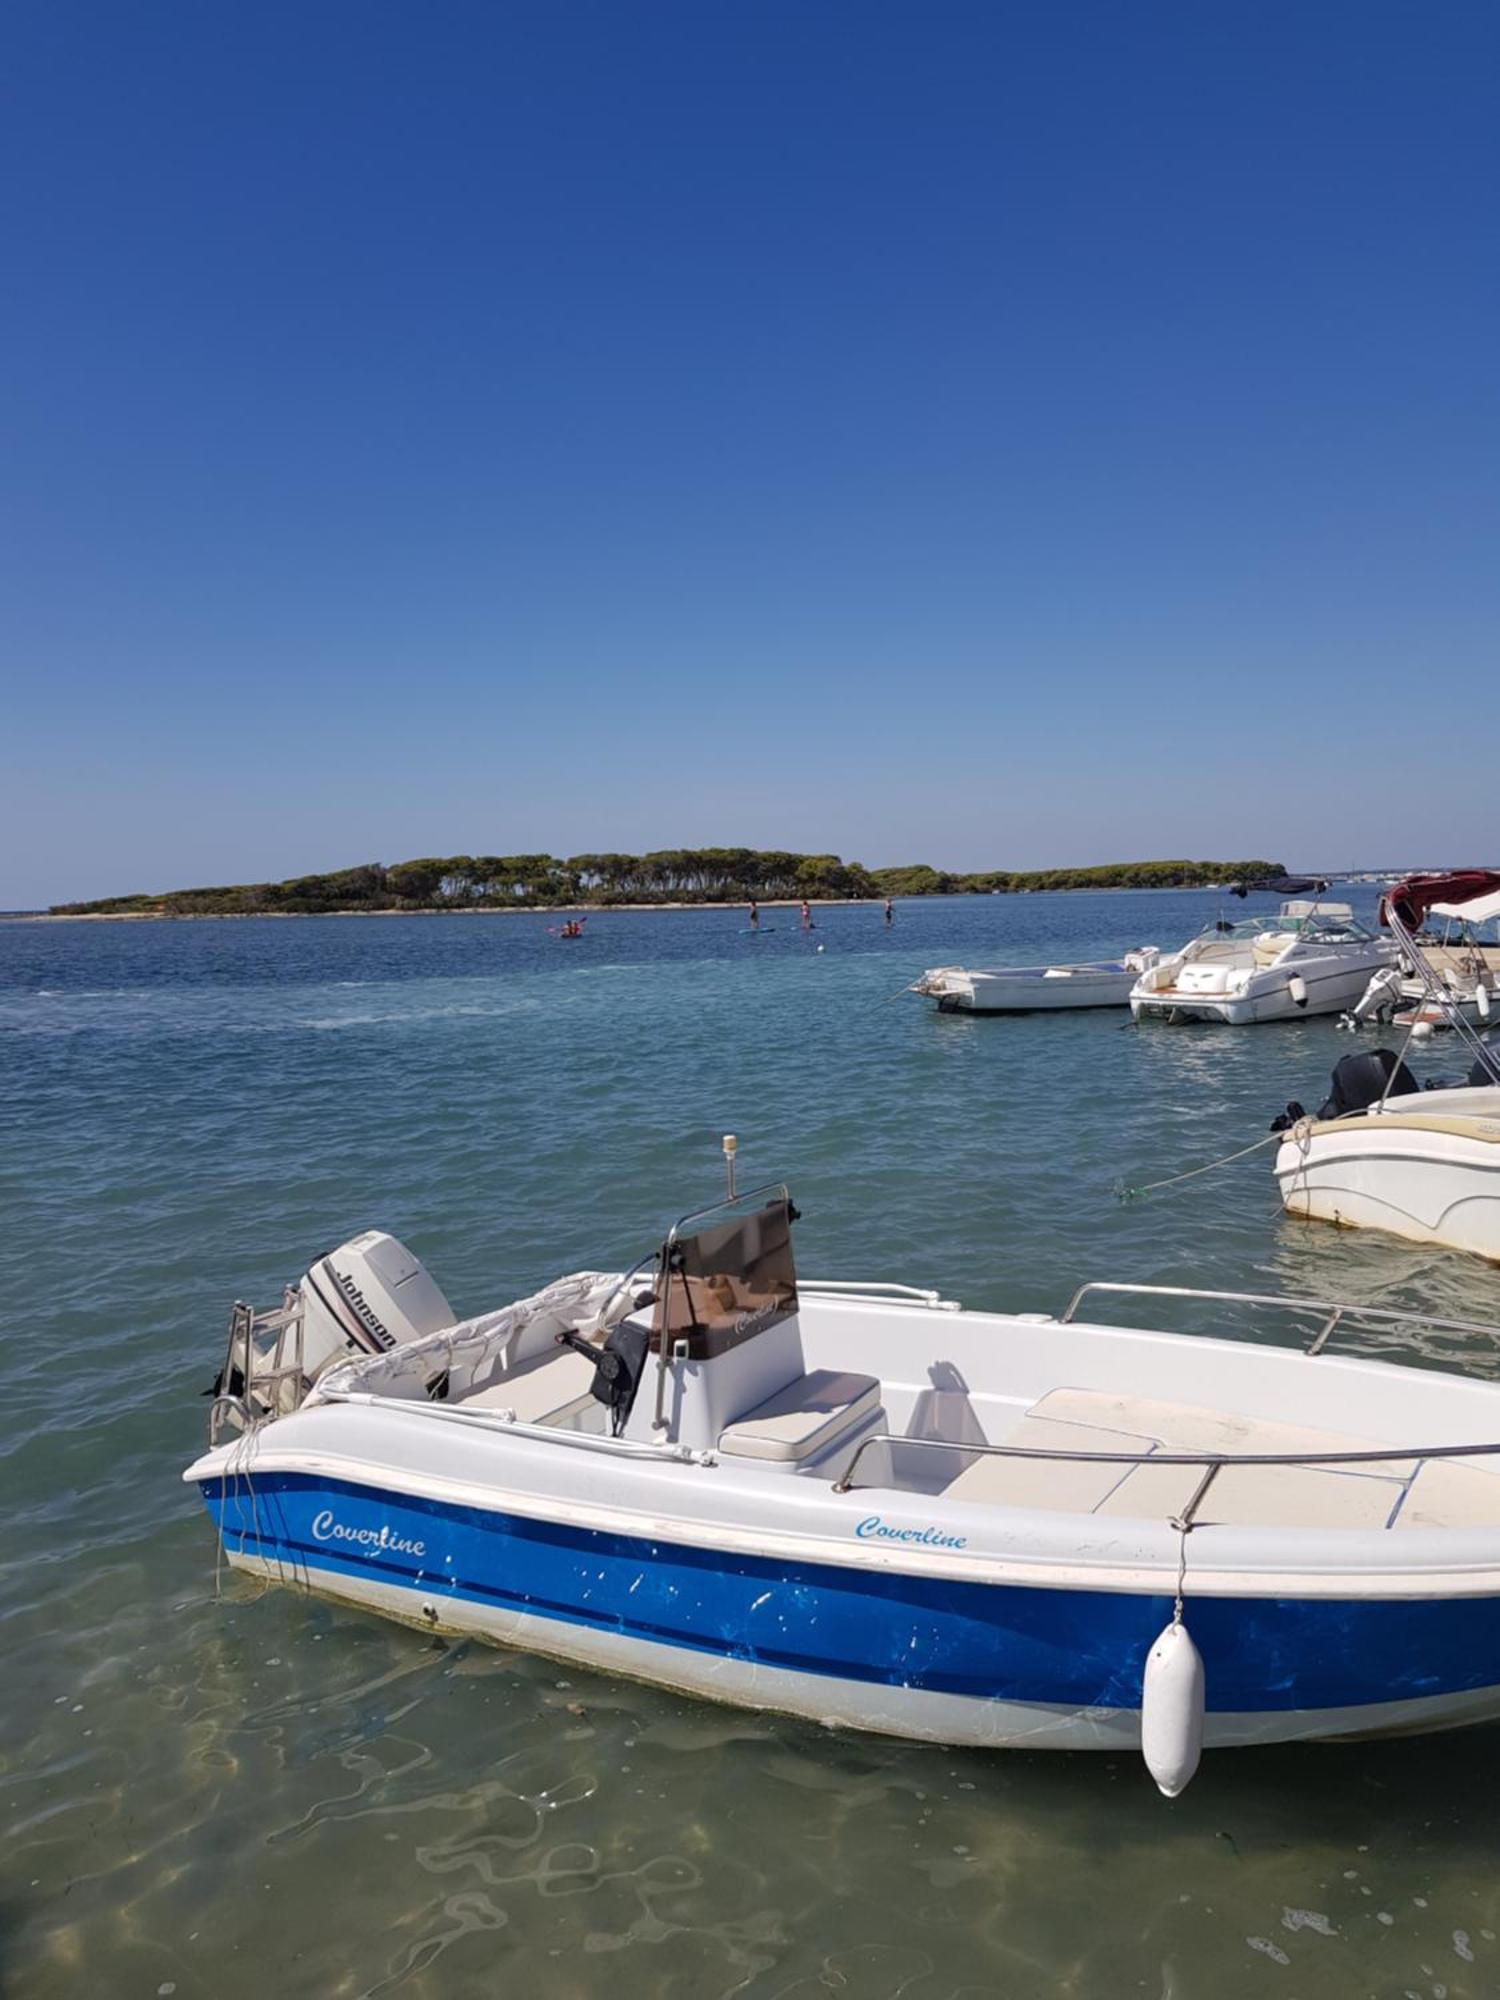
{"x":987,"y":434}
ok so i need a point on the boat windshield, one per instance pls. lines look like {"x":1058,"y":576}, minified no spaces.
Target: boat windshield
{"x":728,"y":1280}
{"x":1341,"y":929}
{"x":1337,"y":926}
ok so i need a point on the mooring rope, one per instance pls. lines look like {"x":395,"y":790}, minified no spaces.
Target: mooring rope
{"x":1150,"y":1187}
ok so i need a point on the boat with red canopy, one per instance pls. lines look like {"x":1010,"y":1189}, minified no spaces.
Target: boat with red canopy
{"x":1451,"y":966}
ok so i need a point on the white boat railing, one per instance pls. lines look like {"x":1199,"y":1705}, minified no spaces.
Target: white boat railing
{"x":1212,"y":1462}
{"x":264,"y":1373}
{"x":498,"y":1418}
{"x":880,"y":1290}
{"x":1332,"y":1311}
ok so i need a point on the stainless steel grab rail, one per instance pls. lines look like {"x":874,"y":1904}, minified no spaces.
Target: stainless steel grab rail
{"x":261,"y":1382}
{"x":1386,"y":1454}
{"x":1335,"y":1310}
{"x":881,"y":1290}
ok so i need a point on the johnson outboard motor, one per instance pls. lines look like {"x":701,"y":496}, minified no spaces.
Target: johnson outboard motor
{"x":366,"y":1297}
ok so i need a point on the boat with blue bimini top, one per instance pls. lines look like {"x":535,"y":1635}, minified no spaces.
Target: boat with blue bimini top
{"x":865,"y":1505}
{"x":1034,"y":989}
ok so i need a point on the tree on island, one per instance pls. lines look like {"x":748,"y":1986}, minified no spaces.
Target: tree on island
{"x":670,"y":875}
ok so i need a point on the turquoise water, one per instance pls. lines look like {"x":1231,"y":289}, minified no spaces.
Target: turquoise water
{"x":242,"y":1793}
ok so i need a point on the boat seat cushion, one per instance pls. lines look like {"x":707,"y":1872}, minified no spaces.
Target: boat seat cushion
{"x":1262,"y":1496}
{"x":556,"y":1386}
{"x":1447,"y":1493}
{"x":1249,"y":1496}
{"x":1072,"y":1486}
{"x":1192,"y":1427}
{"x":805,"y":1418}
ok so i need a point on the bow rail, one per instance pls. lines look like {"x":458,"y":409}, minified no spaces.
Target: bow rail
{"x":1332,"y":1311}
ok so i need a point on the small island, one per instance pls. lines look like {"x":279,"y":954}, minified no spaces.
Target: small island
{"x":673,"y":876}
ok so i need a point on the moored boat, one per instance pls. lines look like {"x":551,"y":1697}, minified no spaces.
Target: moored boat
{"x":1458,"y":977}
{"x":864,"y":1505}
{"x":1381,"y":1153}
{"x":1310,"y":958}
{"x":1035,"y":989}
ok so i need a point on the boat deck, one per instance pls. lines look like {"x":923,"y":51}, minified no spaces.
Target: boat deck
{"x":809,"y":1427}
{"x":1393,"y":1494}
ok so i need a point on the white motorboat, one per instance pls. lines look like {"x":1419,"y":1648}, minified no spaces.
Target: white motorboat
{"x":1035,"y":989}
{"x":1382,"y":1154}
{"x":1424,"y":1165}
{"x":1464,"y":964}
{"x":863,"y":1505}
{"x":1310,"y":958}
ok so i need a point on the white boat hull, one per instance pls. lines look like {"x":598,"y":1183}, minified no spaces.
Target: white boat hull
{"x":913,"y":1713}
{"x":1429,"y":1176}
{"x":1028,"y":989}
{"x":1268,"y":997}
{"x":1012,"y":1604}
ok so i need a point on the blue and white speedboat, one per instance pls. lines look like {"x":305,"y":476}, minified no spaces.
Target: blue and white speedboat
{"x":867,"y":1506}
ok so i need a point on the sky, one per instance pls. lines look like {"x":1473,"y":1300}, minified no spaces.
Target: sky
{"x":996,"y":435}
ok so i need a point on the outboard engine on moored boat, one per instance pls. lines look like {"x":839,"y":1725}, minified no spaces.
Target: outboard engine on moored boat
{"x":366,"y":1297}
{"x":1358,"y":1081}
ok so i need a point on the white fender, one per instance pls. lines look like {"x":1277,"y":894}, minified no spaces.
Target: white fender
{"x":1172,"y":1710}
{"x":1482,"y":1000}
{"x":1297,"y":987}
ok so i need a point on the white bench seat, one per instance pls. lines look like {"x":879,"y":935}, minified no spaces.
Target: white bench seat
{"x":1450,"y":1493}
{"x":805,"y":1418}
{"x":1374,"y":1495}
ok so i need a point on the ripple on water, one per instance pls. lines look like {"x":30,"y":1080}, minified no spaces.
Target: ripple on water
{"x":196,"y":1788}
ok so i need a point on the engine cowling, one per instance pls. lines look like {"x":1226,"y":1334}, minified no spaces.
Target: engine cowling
{"x":366,"y":1297}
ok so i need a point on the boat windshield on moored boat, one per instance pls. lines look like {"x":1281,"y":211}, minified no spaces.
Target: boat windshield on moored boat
{"x":859,"y":1503}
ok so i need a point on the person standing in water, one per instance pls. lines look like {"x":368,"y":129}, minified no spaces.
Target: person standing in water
{"x":754,"y":914}
{"x":889,"y":913}
{"x":806,"y":915}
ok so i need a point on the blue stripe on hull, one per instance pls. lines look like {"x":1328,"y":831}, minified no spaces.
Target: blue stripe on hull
{"x":1066,"y":1648}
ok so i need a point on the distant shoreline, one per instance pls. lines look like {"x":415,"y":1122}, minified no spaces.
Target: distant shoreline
{"x":665,"y":879}
{"x":589,"y":909}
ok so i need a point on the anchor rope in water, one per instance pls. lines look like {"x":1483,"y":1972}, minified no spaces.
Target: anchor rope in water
{"x":1172,"y":1180}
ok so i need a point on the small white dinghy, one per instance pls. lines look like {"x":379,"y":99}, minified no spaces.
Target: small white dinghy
{"x":1035,"y":989}
{"x":863,"y":1505}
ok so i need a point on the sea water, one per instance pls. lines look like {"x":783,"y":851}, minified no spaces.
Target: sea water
{"x":211,"y":1789}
